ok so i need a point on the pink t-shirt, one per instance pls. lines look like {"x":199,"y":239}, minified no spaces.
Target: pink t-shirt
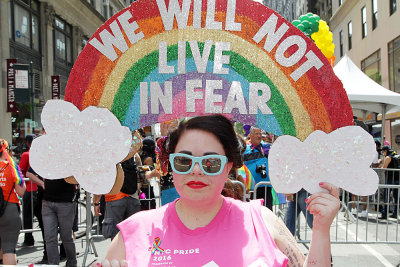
{"x":237,"y":236}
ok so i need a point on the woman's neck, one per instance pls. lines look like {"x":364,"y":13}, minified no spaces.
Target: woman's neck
{"x":194,"y":216}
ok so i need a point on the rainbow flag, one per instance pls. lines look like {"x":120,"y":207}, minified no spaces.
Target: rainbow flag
{"x":247,"y":176}
{"x":19,"y":179}
{"x":277,"y":198}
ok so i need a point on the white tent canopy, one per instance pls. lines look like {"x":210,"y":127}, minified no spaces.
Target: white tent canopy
{"x":364,"y":93}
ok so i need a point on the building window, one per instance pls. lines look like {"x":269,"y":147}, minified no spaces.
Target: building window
{"x":364,"y":22}
{"x":374,"y":14}
{"x":341,"y":43}
{"x":24,"y":23}
{"x":393,"y":6}
{"x":350,"y":34}
{"x":111,"y":13}
{"x":340,"y":2}
{"x":62,"y":41}
{"x":371,"y":66}
{"x":104,"y":9}
{"x":394,"y":65}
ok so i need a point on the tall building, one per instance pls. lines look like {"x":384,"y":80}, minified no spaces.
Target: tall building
{"x":286,"y":8}
{"x":305,"y":6}
{"x":368,"y":32}
{"x":324,"y":9}
{"x":50,"y":34}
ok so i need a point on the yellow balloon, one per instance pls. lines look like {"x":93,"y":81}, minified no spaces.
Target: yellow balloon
{"x":323,"y":38}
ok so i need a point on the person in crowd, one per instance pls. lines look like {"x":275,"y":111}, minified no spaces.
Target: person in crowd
{"x":148,"y":156}
{"x":163,"y":170}
{"x":29,"y":200}
{"x":392,"y":178}
{"x":202,"y":226}
{"x":296,"y":203}
{"x":376,"y":162}
{"x":10,"y":223}
{"x":148,"y":149}
{"x":38,"y":208}
{"x":386,"y":142}
{"x":123,"y":204}
{"x":256,"y":160}
{"x":233,"y":190}
{"x":58,"y":217}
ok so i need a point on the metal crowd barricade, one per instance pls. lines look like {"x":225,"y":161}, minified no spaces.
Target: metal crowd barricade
{"x":243,"y":187}
{"x":348,"y":228}
{"x":23,"y":230}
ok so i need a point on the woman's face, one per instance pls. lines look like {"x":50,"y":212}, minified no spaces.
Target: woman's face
{"x":148,"y":161}
{"x":197,"y":186}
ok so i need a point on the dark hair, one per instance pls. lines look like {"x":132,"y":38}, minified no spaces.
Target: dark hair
{"x":378,"y":144}
{"x":29,"y":138}
{"x":388,"y":150}
{"x":219,"y":126}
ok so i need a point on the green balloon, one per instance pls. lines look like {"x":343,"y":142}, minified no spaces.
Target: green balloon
{"x":296,"y":22}
{"x":303,"y":17}
{"x":309,"y":15}
{"x":301,"y":27}
{"x":306,"y":24}
{"x":318,"y":18}
{"x":314,"y":20}
{"x":315,"y":27}
{"x":308,"y":32}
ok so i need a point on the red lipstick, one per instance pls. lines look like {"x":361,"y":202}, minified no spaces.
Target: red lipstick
{"x":196,"y":184}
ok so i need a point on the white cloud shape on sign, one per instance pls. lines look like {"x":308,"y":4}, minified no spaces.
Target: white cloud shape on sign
{"x":86,"y":145}
{"x":342,"y":157}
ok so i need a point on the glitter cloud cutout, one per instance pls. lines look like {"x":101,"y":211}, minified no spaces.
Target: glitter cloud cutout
{"x":86,"y":145}
{"x":342,"y":157}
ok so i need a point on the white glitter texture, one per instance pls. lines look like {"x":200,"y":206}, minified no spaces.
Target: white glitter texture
{"x":86,"y":145}
{"x":342,"y":157}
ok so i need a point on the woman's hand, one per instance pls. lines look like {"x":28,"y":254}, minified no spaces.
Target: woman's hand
{"x":112,"y":263}
{"x":324,"y":206}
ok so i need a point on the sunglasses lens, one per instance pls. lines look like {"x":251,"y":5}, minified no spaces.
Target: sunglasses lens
{"x":182,"y":163}
{"x":211,"y":165}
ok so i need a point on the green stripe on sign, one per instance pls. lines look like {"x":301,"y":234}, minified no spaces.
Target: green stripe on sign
{"x":141,"y":69}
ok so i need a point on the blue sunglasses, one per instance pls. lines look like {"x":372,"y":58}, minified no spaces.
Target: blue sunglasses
{"x":209,"y":164}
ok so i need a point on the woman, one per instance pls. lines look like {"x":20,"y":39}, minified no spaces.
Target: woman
{"x":203,"y":228}
{"x":10,"y":223}
{"x":392,"y":178}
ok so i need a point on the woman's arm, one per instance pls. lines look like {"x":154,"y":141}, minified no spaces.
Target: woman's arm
{"x":35,"y":179}
{"x":324,"y":207}
{"x":20,"y":190}
{"x":115,"y":255}
{"x":283,"y":238}
{"x":386,"y":162}
{"x":96,"y":205}
{"x":116,"y":251}
{"x":138,"y":160}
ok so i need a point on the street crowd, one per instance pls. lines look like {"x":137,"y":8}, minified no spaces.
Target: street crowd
{"x":54,"y":201}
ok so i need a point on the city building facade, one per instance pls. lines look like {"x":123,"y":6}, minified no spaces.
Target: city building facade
{"x":306,"y":6}
{"x":368,"y":32}
{"x":324,"y":9}
{"x":286,"y":8}
{"x":48,"y":35}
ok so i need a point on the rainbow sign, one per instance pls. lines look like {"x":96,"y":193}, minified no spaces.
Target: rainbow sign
{"x":157,"y":60}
